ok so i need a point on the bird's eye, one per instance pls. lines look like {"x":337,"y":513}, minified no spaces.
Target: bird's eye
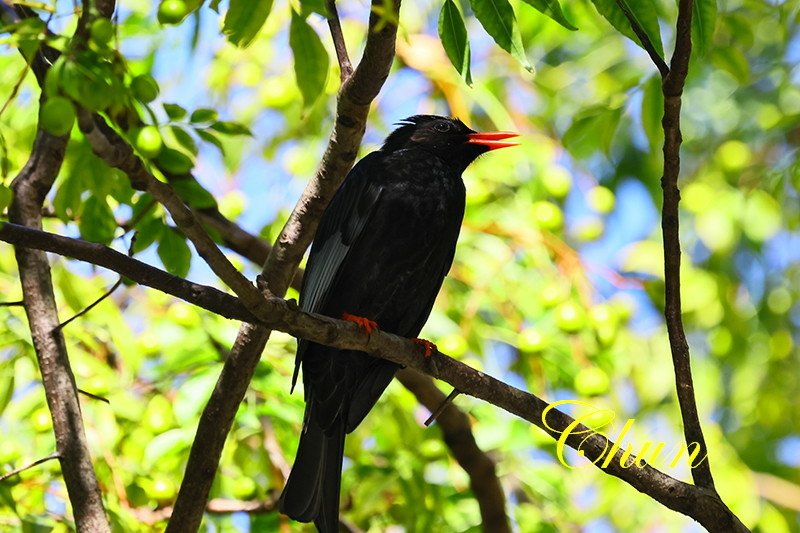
{"x":442,"y":127}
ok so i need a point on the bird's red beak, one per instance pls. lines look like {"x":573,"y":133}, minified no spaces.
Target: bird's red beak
{"x":492,"y":140}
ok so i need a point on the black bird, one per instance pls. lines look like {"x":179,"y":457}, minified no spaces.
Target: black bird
{"x":381,"y":252}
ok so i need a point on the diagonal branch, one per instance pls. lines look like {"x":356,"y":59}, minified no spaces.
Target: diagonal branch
{"x":345,"y":67}
{"x":647,"y":44}
{"x":673,"y":88}
{"x":355,"y":97}
{"x":699,"y":503}
{"x":458,"y":437}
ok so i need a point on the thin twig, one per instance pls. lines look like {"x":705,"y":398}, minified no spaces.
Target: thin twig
{"x":345,"y":67}
{"x":94,"y":396}
{"x":647,"y":44}
{"x":12,"y":304}
{"x":91,"y":306}
{"x":21,"y":469}
{"x":442,"y":406}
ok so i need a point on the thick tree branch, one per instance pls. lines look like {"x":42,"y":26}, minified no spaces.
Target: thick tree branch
{"x":673,"y":88}
{"x":208,"y":298}
{"x":699,"y":503}
{"x":353,"y":105}
{"x":30,"y":188}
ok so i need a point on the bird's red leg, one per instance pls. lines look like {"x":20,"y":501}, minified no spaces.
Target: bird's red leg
{"x":429,"y":347}
{"x":366,"y":325}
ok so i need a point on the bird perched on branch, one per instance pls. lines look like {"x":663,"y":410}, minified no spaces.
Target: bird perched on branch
{"x":381,"y":252}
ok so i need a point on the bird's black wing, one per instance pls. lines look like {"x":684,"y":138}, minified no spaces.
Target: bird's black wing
{"x":340,"y":226}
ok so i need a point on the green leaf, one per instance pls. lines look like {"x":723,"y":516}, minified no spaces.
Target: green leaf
{"x":313,"y":6}
{"x":552,"y":9}
{"x":184,"y":139}
{"x":733,"y":61}
{"x":645,"y":13}
{"x":231,"y":128}
{"x":203,"y":115}
{"x":6,"y":384}
{"x":5,"y":197}
{"x":592,"y":129}
{"x":97,"y":222}
{"x":453,"y":35}
{"x":704,"y":19}
{"x":147,"y":233}
{"x":652,"y":111}
{"x":244,"y":19}
{"x":310,"y":60}
{"x":193,"y":193}
{"x":174,"y":252}
{"x":174,"y":111}
{"x":497,"y":18}
{"x":211,"y":138}
{"x":173,"y":161}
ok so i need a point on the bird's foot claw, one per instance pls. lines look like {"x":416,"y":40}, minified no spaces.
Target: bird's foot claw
{"x":366,"y":325}
{"x":429,"y":347}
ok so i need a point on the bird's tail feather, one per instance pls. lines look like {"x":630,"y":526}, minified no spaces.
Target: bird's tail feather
{"x":312,"y":490}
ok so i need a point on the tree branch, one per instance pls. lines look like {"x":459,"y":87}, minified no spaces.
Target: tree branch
{"x":353,"y":104}
{"x":345,"y":67}
{"x":30,"y":188}
{"x":203,"y":296}
{"x":647,"y":44}
{"x":697,"y":502}
{"x":458,"y":437}
{"x":672,"y":89}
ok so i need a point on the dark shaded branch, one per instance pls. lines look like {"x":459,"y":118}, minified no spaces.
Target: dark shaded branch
{"x":345,"y":67}
{"x":699,"y":503}
{"x":203,"y":296}
{"x":647,"y":44}
{"x":355,"y":97}
{"x":458,"y":437}
{"x":672,"y":89}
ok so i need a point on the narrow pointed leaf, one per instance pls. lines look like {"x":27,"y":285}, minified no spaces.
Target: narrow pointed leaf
{"x":244,"y":19}
{"x":453,"y":34}
{"x":704,"y":19}
{"x":310,"y":60}
{"x":552,"y":9}
{"x":497,"y":18}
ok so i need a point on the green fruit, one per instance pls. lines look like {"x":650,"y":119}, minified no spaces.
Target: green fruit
{"x":601,"y":199}
{"x":557,"y":182}
{"x":101,"y":31}
{"x":591,"y":381}
{"x":145,"y":88}
{"x":57,"y":116}
{"x":570,"y":317}
{"x":532,"y":340}
{"x":547,"y":215}
{"x":551,"y":295}
{"x":161,"y":489}
{"x":149,"y":142}
{"x":172,"y":11}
